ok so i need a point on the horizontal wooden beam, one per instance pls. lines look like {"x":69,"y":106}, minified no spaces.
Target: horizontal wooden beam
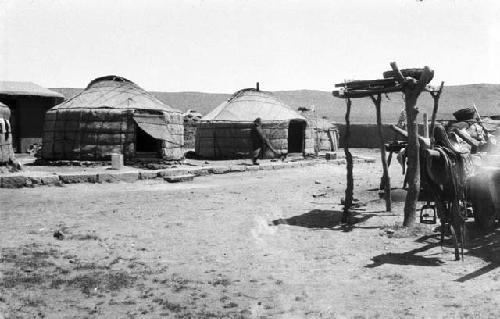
{"x":364,"y":93}
{"x":361,"y":84}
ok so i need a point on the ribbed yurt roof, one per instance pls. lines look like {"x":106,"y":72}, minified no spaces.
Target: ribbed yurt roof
{"x":114,"y":92}
{"x":248,"y":104}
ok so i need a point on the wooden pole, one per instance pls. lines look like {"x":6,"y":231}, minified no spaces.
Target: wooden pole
{"x":412,"y":89}
{"x":412,"y":152}
{"x":435,"y":97}
{"x":385,"y":178}
{"x":425,"y":122}
{"x":348,"y":157}
{"x":333,"y":146}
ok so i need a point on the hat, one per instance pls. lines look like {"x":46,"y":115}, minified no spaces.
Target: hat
{"x":465,"y":114}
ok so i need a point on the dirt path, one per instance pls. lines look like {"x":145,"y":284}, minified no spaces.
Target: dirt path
{"x":246,"y":245}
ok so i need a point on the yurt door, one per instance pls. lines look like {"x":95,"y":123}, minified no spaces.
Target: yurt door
{"x":146,"y":145}
{"x":296,"y":135}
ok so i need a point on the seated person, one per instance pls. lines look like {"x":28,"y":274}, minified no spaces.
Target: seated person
{"x":467,"y":133}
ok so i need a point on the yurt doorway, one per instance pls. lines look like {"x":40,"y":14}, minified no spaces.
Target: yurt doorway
{"x":146,"y":145}
{"x":296,"y":135}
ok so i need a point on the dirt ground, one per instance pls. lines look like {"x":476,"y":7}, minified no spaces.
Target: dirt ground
{"x":265,"y":244}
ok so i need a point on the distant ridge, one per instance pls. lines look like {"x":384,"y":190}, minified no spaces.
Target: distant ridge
{"x":485,"y":96}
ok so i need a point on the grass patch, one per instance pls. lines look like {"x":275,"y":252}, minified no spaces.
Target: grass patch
{"x":90,"y":282}
{"x":88,"y":236}
{"x":220,"y":281}
{"x":171,"y":306}
{"x":13,"y":279}
{"x":32,"y":301}
{"x":22,"y":266}
{"x":28,"y":257}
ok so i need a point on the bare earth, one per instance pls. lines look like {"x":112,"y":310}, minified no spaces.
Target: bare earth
{"x":243,"y":245}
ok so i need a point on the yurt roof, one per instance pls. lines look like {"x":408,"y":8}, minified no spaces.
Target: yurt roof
{"x":248,"y":104}
{"x":114,"y":92}
{"x":13,"y":88}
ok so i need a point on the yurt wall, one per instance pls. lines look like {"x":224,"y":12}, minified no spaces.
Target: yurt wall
{"x":232,"y":140}
{"x":87,"y":134}
{"x":309,"y":141}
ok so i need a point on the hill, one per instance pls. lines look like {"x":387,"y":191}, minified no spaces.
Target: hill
{"x":485,"y":96}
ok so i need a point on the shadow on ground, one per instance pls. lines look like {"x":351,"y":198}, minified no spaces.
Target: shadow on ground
{"x":326,"y":219}
{"x":410,"y":257}
{"x":480,"y":244}
{"x":485,"y":246}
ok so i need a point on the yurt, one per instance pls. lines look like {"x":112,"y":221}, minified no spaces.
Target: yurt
{"x":6,"y":151}
{"x":224,"y":133}
{"x":112,"y":115}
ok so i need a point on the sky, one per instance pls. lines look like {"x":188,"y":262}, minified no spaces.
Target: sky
{"x":225,"y":45}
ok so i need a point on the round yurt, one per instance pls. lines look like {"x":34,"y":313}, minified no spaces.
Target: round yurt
{"x":6,"y":150}
{"x":224,"y":133}
{"x":112,"y":116}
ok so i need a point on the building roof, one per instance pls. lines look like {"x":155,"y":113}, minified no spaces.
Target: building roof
{"x":114,"y":92}
{"x":248,"y":104}
{"x":13,"y":88}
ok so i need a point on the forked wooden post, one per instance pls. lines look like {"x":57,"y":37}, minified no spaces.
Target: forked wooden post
{"x":435,"y":97}
{"x":385,"y":178}
{"x":348,"y":157}
{"x":412,"y":89}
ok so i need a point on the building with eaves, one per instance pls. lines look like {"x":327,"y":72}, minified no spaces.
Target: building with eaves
{"x":28,"y":103}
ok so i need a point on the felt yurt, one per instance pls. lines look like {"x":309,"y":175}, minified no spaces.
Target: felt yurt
{"x":224,"y":133}
{"x":6,"y":150}
{"x":112,"y":116}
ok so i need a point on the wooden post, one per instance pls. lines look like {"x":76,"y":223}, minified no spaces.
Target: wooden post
{"x":425,"y":123}
{"x":348,"y":157}
{"x":412,"y":89}
{"x":330,"y":139}
{"x":385,"y":178}
{"x":412,"y":153}
{"x":435,"y":97}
